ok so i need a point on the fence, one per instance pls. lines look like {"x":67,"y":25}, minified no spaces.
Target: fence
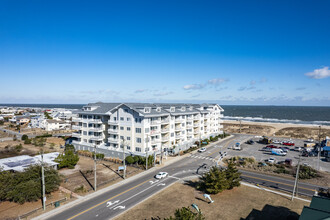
{"x":35,"y":210}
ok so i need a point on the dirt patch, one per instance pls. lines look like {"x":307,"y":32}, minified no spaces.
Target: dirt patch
{"x":11,"y":210}
{"x":81,"y":179}
{"x":239,"y":203}
{"x":5,"y":134}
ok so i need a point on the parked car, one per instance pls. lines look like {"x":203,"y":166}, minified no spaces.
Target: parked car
{"x":267,"y":149}
{"x":288,"y":143}
{"x":310,"y":140}
{"x":161,"y":175}
{"x":203,"y":149}
{"x":250,"y":142}
{"x":284,"y":149}
{"x":272,"y":146}
{"x":277,"y":142}
{"x":278,"y":152}
{"x":298,"y":149}
{"x":237,"y":146}
{"x":270,"y":160}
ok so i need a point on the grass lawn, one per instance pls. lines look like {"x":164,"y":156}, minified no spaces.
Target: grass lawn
{"x":240,"y":203}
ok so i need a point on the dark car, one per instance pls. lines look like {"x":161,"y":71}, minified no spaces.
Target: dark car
{"x":272,"y":146}
{"x":250,"y":142}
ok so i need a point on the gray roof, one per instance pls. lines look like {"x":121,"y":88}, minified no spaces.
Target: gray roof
{"x":104,"y":108}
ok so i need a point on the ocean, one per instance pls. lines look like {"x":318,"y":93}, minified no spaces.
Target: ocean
{"x":277,"y":114}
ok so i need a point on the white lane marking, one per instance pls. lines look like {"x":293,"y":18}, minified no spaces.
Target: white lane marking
{"x":112,"y":203}
{"x":161,"y":184}
{"x":119,"y":207}
{"x":152,"y":182}
{"x":137,"y":194}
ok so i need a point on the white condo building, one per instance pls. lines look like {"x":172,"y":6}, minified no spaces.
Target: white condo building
{"x":144,"y":127}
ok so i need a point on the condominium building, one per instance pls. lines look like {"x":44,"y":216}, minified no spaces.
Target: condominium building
{"x":144,"y":127}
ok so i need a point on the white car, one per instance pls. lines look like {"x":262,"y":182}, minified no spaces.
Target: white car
{"x":277,"y":142}
{"x":161,"y":175}
{"x":203,"y":149}
{"x":271,"y":160}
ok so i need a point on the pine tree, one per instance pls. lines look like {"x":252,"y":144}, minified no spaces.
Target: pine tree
{"x":186,"y":214}
{"x":232,"y":176}
{"x":214,"y":181}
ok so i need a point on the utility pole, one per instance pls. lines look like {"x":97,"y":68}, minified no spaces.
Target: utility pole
{"x":94,"y":167}
{"x":161,"y":154}
{"x":200,"y":140}
{"x":147,"y":140}
{"x":240,"y":125}
{"x":43,"y":181}
{"x":296,"y":180}
{"x":319,"y":150}
{"x":154,"y":158}
{"x":124,"y":163}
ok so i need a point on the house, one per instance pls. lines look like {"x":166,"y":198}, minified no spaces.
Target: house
{"x":51,"y":125}
{"x":20,"y":163}
{"x":319,"y":208}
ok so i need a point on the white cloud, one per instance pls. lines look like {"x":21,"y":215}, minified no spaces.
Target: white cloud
{"x":253,"y":82}
{"x":319,"y":73}
{"x":162,"y":93}
{"x":140,"y":90}
{"x":194,"y":86}
{"x":216,"y":81}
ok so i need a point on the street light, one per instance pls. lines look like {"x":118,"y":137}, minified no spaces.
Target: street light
{"x":319,"y":149}
{"x":94,"y":167}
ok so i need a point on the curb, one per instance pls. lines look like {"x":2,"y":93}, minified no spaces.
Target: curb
{"x":101,"y":191}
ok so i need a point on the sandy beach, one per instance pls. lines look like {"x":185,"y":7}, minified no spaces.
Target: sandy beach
{"x":302,"y":131}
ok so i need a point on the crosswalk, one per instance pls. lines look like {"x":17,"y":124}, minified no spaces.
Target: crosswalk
{"x":202,"y":158}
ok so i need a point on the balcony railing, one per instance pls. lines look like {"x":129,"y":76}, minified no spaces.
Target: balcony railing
{"x":95,"y":129}
{"x":197,"y":118}
{"x":179,"y":120}
{"x":113,"y":122}
{"x":91,"y":120}
{"x":77,"y":135}
{"x":155,"y":122}
{"x":165,"y":121}
{"x":154,"y":132}
{"x":165,"y":138}
{"x":97,"y":138}
{"x":155,"y":141}
{"x":76,"y":120}
{"x":178,"y":128}
{"x":165,"y":130}
{"x":113,"y":140}
{"x":113,"y":131}
{"x":196,"y":124}
{"x":190,"y":119}
{"x":76,"y":127}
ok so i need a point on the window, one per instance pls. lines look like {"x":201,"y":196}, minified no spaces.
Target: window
{"x":126,"y":110}
{"x":172,"y":109}
{"x":122,"y":128}
{"x":147,"y":130}
{"x":128,"y":119}
{"x":128,"y":128}
{"x":128,"y":138}
{"x":128,"y":147}
{"x":138,"y":120}
{"x":172,"y":134}
{"x":85,"y":132}
{"x":138,"y":130}
{"x":138,"y":140}
{"x":138,"y":149}
{"x":121,"y":118}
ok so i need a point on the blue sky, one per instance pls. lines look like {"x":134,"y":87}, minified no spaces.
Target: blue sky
{"x":230,"y":52}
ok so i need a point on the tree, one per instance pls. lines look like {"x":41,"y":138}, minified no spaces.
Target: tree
{"x":69,"y":147}
{"x":232,"y":175}
{"x":214,"y":181}
{"x":129,"y":159}
{"x":67,"y":159}
{"x":186,"y":214}
{"x":24,"y":137}
{"x":26,"y":186}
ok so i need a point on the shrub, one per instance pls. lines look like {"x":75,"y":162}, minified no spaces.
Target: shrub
{"x":69,"y":147}
{"x":24,"y":137}
{"x":27,"y":141}
{"x":307,"y":172}
{"x":186,"y":214}
{"x":129,"y":160}
{"x":19,"y":148}
{"x":68,"y":159}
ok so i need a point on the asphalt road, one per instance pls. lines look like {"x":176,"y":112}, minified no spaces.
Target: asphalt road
{"x":112,"y":203}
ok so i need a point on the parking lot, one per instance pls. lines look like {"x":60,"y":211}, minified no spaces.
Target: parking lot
{"x":254,"y":150}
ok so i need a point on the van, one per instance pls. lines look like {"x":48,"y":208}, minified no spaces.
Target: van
{"x":278,"y":152}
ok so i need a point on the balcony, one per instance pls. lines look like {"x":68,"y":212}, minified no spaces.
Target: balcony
{"x":179,"y":120}
{"x":76,"y":119}
{"x":190,"y":119}
{"x":77,"y":135}
{"x":76,"y":142}
{"x":97,"y":138}
{"x":76,"y":127}
{"x":206,"y":116}
{"x":155,"y":122}
{"x":113,"y":122}
{"x":165,"y":121}
{"x":196,"y":131}
{"x":95,"y":129}
{"x":190,"y":132}
{"x":196,"y":125}
{"x":113,"y":131}
{"x":165,"y":130}
{"x":178,"y":136}
{"x":113,"y":140}
{"x":178,"y":128}
{"x":155,"y":141}
{"x":165,"y":139}
{"x":91,"y":120}
{"x":154,"y":132}
{"x":189,"y":125}
{"x":196,"y":118}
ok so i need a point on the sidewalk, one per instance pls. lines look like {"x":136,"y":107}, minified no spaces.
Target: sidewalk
{"x":101,"y":191}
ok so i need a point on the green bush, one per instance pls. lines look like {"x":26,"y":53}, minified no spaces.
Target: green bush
{"x":129,"y":160}
{"x":69,"y":147}
{"x":19,"y":148}
{"x":307,"y":172}
{"x":24,"y":137}
{"x":27,"y":141}
{"x":186,"y":214}
{"x":67,"y":159}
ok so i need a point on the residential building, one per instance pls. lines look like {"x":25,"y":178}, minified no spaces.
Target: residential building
{"x":145,"y":127}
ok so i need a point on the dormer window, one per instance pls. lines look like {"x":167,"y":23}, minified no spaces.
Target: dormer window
{"x":190,"y":108}
{"x":172,"y":109}
{"x":147,"y":110}
{"x":158,"y":109}
{"x":183,"y":108}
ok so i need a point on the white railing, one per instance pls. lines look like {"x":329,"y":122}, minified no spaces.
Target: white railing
{"x":165,"y":138}
{"x":165,"y":130}
{"x":155,"y":141}
{"x":76,"y":120}
{"x":165,"y":121}
{"x":77,"y":135}
{"x":113,"y":140}
{"x":155,"y":122}
{"x":95,"y":129}
{"x":76,"y":127}
{"x":196,"y":124}
{"x":113,"y":131}
{"x":113,"y":122}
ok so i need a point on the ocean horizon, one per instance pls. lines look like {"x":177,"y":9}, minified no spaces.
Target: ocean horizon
{"x":315,"y":115}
